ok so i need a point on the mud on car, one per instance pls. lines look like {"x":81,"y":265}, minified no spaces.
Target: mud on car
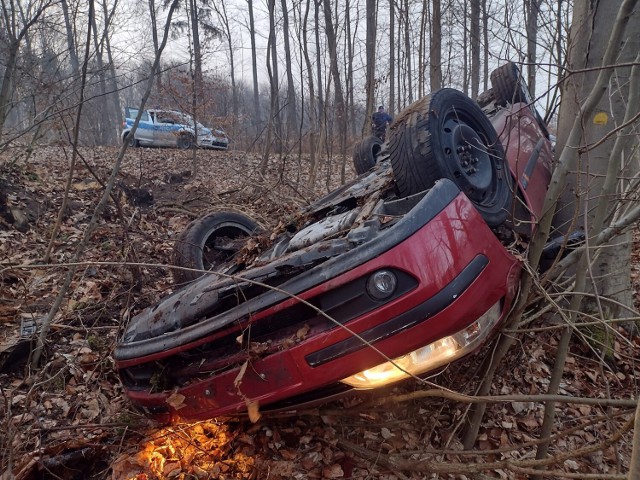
{"x":399,"y":272}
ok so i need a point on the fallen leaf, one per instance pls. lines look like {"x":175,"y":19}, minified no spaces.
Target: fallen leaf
{"x":386,"y":433}
{"x":253,"y":410}
{"x":333,"y":471}
{"x":176,"y":400}
{"x":240,"y":375}
{"x":302,"y":332}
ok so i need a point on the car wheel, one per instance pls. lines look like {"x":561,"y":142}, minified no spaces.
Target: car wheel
{"x":185,"y":142}
{"x":508,"y":86}
{"x":133,"y":142}
{"x":209,"y":242}
{"x":446,"y":135}
{"x":365,"y":154}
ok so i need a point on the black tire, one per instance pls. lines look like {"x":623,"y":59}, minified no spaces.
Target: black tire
{"x":185,"y":141}
{"x":133,"y":142}
{"x":209,"y":242}
{"x":509,"y":86}
{"x":365,"y":154}
{"x":446,"y":135}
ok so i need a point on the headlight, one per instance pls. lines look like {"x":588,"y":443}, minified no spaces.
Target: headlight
{"x":431,"y":356}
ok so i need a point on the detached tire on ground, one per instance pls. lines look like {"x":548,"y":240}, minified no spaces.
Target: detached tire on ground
{"x":209,"y":242}
{"x":365,"y":154}
{"x":446,"y":135}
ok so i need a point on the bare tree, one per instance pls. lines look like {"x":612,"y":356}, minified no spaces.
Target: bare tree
{"x":531,"y":13}
{"x":221,"y":10}
{"x":335,"y":73}
{"x":474,"y":38}
{"x":16,"y":29}
{"x":435,"y":59}
{"x":313,"y":117}
{"x":291,"y":108}
{"x":370,"y":81}
{"x":254,"y":65}
{"x":392,"y":57}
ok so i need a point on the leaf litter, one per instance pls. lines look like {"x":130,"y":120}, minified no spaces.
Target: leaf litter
{"x":71,"y":415}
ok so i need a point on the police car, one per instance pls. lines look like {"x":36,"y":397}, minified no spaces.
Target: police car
{"x":168,"y":128}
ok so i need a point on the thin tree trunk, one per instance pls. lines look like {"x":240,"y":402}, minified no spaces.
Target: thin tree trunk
{"x":335,"y":73}
{"x":485,"y":37}
{"x":465,"y":49}
{"x":370,"y":81}
{"x":13,"y":37}
{"x":392,"y":58}
{"x":313,"y":119}
{"x":634,"y":461}
{"x":532,"y":11}
{"x":221,"y":10}
{"x":321,"y":103}
{"x":102,"y":129}
{"x":254,"y":67}
{"x":154,"y":39}
{"x":435,"y":67}
{"x":408,"y":50}
{"x":421,"y":48}
{"x":350,"y":39}
{"x":71,"y":43}
{"x":474,"y":38}
{"x":292,"y":110}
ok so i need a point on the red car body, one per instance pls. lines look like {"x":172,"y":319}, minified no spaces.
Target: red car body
{"x":221,"y":344}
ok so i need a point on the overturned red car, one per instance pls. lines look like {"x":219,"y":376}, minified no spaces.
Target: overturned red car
{"x":402,"y":271}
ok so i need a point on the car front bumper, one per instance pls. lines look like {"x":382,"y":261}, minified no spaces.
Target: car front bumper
{"x":213,"y":142}
{"x":278,"y":345}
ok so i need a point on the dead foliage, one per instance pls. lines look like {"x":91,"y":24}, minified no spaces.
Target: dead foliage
{"x":70,"y":418}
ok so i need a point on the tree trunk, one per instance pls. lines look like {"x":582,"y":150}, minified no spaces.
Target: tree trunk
{"x":292,"y":110}
{"x":408,"y":50}
{"x":485,"y":38}
{"x":154,"y":38}
{"x":474,"y":38}
{"x":71,"y":44}
{"x":465,"y":49}
{"x":221,"y":10}
{"x":421,"y":48}
{"x":14,"y":36}
{"x":392,"y":58}
{"x":114,"y":92}
{"x":335,"y":73}
{"x":590,"y":191}
{"x":349,"y":39}
{"x":370,"y":81}
{"x":435,"y":60}
{"x":321,"y":109}
{"x":313,"y":119}
{"x":531,"y":11}
{"x":197,"y":50}
{"x":254,"y":68}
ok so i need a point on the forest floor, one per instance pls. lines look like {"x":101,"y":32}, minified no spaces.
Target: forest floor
{"x":70,"y":417}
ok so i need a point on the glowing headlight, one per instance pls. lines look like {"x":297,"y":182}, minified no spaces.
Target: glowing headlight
{"x":382,"y":284}
{"x":429,"y":357}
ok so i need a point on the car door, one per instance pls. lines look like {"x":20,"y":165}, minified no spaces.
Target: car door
{"x":144,"y":132}
{"x":166,"y":129}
